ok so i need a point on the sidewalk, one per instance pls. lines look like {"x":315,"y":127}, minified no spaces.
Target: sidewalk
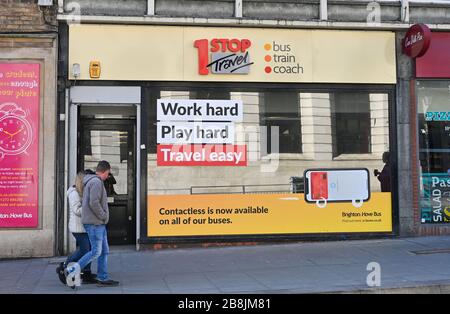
{"x":276,"y":268}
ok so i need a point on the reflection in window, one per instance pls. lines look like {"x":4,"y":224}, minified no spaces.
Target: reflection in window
{"x":350,"y":123}
{"x":210,"y":94}
{"x":434,"y":126}
{"x":433,"y":106}
{"x":281,"y":109}
{"x":110,"y":145}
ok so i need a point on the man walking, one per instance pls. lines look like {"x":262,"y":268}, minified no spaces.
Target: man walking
{"x":95,"y":216}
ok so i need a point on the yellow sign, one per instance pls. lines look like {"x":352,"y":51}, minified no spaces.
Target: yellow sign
{"x":174,"y":53}
{"x":222,"y":214}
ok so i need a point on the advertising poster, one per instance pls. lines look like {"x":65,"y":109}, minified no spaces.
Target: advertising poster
{"x":184,"y":139}
{"x":225,"y":214}
{"x":435,"y":201}
{"x":19,"y":145}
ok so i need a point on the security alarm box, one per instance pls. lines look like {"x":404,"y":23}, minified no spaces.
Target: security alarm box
{"x":94,"y":69}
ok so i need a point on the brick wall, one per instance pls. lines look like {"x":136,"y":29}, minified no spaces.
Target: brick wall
{"x":25,"y":16}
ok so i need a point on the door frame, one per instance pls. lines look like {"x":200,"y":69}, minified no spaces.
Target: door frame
{"x":78,"y":96}
{"x":111,"y":125}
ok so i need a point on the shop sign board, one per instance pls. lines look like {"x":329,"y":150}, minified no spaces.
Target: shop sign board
{"x":228,"y":56}
{"x":416,"y":41}
{"x":233,"y":54}
{"x":435,"y":62}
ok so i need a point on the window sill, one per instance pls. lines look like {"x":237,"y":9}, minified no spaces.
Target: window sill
{"x":269,"y":157}
{"x":358,"y":157}
{"x":287,"y":157}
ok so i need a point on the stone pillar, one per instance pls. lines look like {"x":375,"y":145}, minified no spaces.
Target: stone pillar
{"x":248,"y":131}
{"x":379,"y":123}
{"x":406,"y":136}
{"x":316,"y":126}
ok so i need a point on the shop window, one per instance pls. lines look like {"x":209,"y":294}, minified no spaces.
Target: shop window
{"x":209,"y":94}
{"x":350,"y":123}
{"x":153,"y":96}
{"x":434,"y":152}
{"x":281,"y":110}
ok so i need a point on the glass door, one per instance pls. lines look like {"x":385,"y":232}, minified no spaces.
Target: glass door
{"x":113,"y":140}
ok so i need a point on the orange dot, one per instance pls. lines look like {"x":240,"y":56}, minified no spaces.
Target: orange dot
{"x":268,"y":69}
{"x":267,"y":46}
{"x":268,"y":58}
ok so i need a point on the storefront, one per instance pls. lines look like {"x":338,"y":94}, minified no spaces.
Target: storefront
{"x":236,"y":134}
{"x":432,"y":102}
{"x":27,"y":144}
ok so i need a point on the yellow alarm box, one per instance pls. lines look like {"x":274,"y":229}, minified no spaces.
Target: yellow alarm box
{"x":94,"y":69}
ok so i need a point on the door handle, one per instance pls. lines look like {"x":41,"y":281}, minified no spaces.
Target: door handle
{"x":130,"y":218}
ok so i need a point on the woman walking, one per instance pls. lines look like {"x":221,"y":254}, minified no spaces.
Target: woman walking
{"x":75,"y":195}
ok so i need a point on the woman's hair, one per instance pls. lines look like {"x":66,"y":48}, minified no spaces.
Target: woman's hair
{"x":79,"y":183}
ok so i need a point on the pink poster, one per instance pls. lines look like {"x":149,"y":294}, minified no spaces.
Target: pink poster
{"x":19,"y":144}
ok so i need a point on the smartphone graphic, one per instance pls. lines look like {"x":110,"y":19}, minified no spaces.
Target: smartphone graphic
{"x":337,"y":185}
{"x":319,"y":185}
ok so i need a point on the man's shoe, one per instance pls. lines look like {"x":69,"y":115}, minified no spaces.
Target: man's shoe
{"x":60,"y":272}
{"x":88,"y":277}
{"x":107,"y":283}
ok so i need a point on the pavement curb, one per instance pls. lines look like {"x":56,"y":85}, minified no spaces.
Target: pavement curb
{"x":443,"y":288}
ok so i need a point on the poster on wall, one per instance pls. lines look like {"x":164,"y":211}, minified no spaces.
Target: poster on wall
{"x":435,"y":198}
{"x":185,"y":138}
{"x":19,"y":145}
{"x":281,"y":213}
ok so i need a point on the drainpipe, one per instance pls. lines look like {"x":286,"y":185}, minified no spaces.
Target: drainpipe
{"x":323,"y":10}
{"x":405,"y":11}
{"x":60,"y":6}
{"x":150,"y":7}
{"x":238,"y":8}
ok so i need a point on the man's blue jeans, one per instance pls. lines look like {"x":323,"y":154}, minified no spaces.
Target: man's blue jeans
{"x":99,"y":250}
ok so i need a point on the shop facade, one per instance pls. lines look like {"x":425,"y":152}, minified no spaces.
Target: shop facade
{"x":236,"y":134}
{"x":28,"y":68}
{"x":430,"y":105}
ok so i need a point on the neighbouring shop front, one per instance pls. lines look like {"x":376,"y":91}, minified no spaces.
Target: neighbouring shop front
{"x":27,"y":144}
{"x":432,"y":87}
{"x":236,"y":134}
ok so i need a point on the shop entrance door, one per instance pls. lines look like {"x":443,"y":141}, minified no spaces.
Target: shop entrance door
{"x":113,"y":140}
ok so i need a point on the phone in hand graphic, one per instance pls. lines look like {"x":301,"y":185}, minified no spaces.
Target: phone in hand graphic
{"x":319,"y":185}
{"x":337,"y":185}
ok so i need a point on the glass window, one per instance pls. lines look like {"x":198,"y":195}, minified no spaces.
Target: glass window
{"x":280,"y":112}
{"x":190,"y":195}
{"x":434,"y":149}
{"x":351,"y":123}
{"x":112,"y":146}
